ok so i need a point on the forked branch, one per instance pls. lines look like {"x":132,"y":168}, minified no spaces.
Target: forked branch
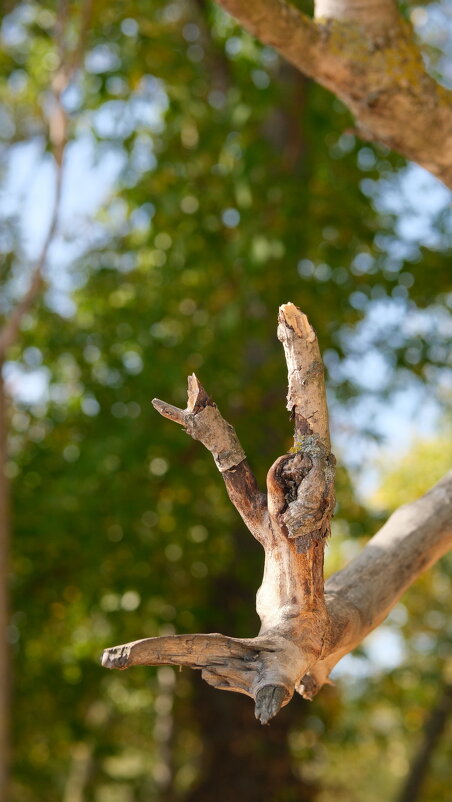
{"x":303,"y":634}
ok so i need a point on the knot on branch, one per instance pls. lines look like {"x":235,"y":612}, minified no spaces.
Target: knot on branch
{"x":302,"y":484}
{"x":269,"y":701}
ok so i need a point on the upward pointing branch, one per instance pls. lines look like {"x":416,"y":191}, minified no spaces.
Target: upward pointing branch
{"x":203,"y":421}
{"x":304,"y":631}
{"x":291,"y":523}
{"x":306,"y":399}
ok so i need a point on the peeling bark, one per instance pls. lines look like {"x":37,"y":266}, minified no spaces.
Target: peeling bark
{"x":365,"y":53}
{"x":304,"y":632}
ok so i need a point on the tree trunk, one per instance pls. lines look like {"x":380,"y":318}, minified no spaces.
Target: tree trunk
{"x":433,"y":730}
{"x":240,"y":761}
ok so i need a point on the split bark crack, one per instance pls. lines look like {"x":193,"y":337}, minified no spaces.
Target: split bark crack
{"x":305,"y":627}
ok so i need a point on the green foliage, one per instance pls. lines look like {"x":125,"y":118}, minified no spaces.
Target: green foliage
{"x":424,"y":464}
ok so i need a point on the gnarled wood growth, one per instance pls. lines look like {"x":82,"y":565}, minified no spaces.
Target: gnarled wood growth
{"x":304,"y":630}
{"x":365,"y":53}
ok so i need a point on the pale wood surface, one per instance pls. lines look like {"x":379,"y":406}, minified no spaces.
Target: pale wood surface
{"x":305,"y":629}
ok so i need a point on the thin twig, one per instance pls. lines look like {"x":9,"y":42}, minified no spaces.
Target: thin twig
{"x":10,"y":331}
{"x":68,"y":65}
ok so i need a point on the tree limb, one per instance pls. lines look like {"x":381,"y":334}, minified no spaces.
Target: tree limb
{"x":365,"y":53}
{"x":304,"y":631}
{"x":291,"y":523}
{"x":203,"y":421}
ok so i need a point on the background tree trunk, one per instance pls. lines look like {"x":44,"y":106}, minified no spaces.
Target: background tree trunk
{"x":241,"y":761}
{"x":433,"y":730}
{"x":5,"y":682}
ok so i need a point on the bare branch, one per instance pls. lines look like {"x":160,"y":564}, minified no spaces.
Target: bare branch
{"x":306,"y":399}
{"x":301,"y":485}
{"x":203,"y":421}
{"x":290,"y":601}
{"x":303,"y":631}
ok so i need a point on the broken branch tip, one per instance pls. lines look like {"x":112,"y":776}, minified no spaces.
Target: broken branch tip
{"x":292,"y":316}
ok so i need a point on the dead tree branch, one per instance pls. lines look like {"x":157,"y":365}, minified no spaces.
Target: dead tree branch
{"x":304,"y":632}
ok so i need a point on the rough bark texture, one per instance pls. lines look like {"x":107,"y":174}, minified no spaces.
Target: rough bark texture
{"x":304,"y":632}
{"x":365,"y":53}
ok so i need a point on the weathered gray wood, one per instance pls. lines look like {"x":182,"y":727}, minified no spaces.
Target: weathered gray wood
{"x":303,"y":632}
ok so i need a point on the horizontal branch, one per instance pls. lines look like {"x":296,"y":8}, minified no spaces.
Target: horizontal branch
{"x":366,"y":54}
{"x":265,"y":668}
{"x":192,"y":651}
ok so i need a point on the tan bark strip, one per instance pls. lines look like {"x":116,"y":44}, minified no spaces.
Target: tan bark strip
{"x":301,"y":485}
{"x":306,"y":398}
{"x":372,"y":63}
